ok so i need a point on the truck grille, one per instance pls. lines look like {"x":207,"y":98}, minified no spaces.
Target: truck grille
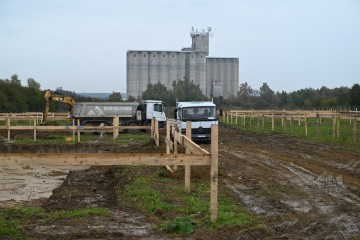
{"x":201,"y":130}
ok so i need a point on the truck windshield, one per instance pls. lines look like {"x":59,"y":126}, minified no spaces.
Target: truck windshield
{"x":197,"y":113}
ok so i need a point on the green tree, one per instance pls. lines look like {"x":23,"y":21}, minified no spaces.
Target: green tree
{"x":115,"y":97}
{"x":15,"y":80}
{"x":158,"y":91}
{"x":186,"y":90}
{"x":33,"y":84}
{"x":245,"y":95}
{"x":267,"y":97}
{"x":283,"y":99}
{"x":355,"y":95}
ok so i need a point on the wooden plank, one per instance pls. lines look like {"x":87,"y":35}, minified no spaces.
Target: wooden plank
{"x":81,"y":128}
{"x":194,"y":148}
{"x":170,"y":144}
{"x":89,"y":159}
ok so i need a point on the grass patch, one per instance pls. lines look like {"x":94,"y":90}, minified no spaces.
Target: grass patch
{"x":162,"y":198}
{"x":318,"y":131}
{"x":11,"y":219}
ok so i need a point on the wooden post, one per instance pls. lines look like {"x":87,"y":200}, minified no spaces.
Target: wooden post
{"x":157,"y":137}
{"x":244,"y":120}
{"x":354,"y":130}
{"x":214,"y":173}
{"x":8,"y":125}
{"x":334,"y":126}
{"x":317,"y":124}
{"x":188,"y":167}
{"x":258,"y":120}
{"x":34,"y":130}
{"x":338,"y":127}
{"x":152,"y":131}
{"x":167,"y":145}
{"x":305,"y":123}
{"x":115,"y":127}
{"x":284,"y":121}
{"x":78,"y":127}
{"x":168,"y":136}
{"x":175,"y":142}
{"x":73,"y":135}
{"x":272,"y":121}
{"x":236,"y":120}
{"x":251,"y":116}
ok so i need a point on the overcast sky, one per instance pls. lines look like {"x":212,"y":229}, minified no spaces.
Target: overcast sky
{"x":81,"y":45}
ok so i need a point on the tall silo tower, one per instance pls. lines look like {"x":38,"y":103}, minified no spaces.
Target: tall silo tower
{"x":200,"y":40}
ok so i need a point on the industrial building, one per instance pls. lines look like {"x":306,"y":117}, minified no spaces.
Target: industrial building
{"x":215,"y":76}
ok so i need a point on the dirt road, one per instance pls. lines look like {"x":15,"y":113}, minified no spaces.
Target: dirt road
{"x":305,"y":189}
{"x":302,"y":190}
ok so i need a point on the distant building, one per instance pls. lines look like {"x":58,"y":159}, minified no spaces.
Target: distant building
{"x":215,"y":76}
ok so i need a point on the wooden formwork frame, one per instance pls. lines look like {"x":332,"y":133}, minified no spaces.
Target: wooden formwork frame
{"x":194,"y":155}
{"x":77,"y":128}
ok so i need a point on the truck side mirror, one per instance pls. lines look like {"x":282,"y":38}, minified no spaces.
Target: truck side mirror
{"x":175,"y":113}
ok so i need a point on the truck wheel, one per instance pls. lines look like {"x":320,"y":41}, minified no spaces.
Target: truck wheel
{"x":133,"y":124}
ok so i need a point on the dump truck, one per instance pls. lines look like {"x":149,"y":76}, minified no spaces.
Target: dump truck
{"x":130,"y":113}
{"x":96,"y":113}
{"x":201,"y":114}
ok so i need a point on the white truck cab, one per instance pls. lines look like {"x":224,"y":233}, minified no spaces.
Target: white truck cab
{"x":201,"y":114}
{"x":149,"y":109}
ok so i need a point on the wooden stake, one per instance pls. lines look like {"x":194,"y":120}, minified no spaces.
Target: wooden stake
{"x":214,"y":173}
{"x":354,"y":130}
{"x":78,"y":127}
{"x":187,"y":167}
{"x":334,"y":126}
{"x":338,"y":127}
{"x":116,"y":127}
{"x":8,"y":125}
{"x":34,"y":130}
{"x":73,"y":132}
{"x":305,"y":123}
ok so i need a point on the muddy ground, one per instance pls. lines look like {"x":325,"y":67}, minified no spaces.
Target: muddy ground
{"x":302,"y":189}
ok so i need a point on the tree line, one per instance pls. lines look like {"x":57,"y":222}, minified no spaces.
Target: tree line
{"x":263,"y":98}
{"x":14,"y":97}
{"x":17,"y":98}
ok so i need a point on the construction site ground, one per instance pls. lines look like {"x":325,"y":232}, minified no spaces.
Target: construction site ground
{"x":299,"y":188}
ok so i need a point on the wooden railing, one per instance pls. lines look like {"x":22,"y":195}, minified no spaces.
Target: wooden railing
{"x":245,"y":118}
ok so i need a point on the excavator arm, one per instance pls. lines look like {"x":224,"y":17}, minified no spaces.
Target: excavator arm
{"x":49,"y":97}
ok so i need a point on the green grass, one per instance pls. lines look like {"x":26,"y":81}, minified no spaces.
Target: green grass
{"x":164,"y":200}
{"x":316,"y":131}
{"x":12,"y":219}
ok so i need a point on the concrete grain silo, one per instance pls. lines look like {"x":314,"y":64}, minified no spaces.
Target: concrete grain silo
{"x":215,"y":76}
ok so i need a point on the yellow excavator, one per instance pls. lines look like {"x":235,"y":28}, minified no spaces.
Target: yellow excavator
{"x":49,"y":97}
